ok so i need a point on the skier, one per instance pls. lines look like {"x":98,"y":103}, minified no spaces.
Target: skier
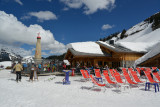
{"x":18,"y":68}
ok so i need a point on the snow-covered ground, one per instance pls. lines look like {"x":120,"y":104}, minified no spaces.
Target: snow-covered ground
{"x":50,"y":92}
{"x":6,"y":64}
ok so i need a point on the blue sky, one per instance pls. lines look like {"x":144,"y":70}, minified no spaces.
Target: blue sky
{"x":78,"y":20}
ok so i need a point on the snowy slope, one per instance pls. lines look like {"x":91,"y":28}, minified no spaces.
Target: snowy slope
{"x":139,"y":27}
{"x":27,"y":59}
{"x":86,"y":47}
{"x":146,"y":35}
{"x":140,"y":37}
{"x":6,"y":64}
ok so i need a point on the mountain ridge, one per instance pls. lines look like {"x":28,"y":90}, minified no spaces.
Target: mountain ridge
{"x":152,"y":21}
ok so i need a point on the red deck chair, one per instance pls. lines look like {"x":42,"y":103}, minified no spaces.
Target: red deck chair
{"x":98,"y":74}
{"x":134,"y":75}
{"x":106,"y":75}
{"x":116,"y":75}
{"x":154,"y":68}
{"x":147,"y":73}
{"x":94,"y":80}
{"x":127,"y":77}
{"x":156,"y":75}
{"x":138,"y":69}
{"x":112,"y":73}
{"x":84,"y":74}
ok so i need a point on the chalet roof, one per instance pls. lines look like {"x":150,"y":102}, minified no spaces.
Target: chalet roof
{"x":152,"y":53}
{"x":86,"y":47}
{"x":116,"y":48}
{"x":76,"y":53}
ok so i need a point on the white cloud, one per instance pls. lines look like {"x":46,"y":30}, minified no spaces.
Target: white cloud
{"x":107,"y":26}
{"x":13,"y":31}
{"x":65,"y":9}
{"x":19,"y":2}
{"x":73,"y":3}
{"x":44,"y":53}
{"x":25,"y":17}
{"x":90,"y":6}
{"x":41,"y":15}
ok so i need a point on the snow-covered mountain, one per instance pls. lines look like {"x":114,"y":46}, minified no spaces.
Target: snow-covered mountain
{"x":27,"y":59}
{"x":13,"y":51}
{"x":141,"y":37}
{"x":6,"y":55}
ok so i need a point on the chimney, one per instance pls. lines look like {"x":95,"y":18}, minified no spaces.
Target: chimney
{"x":111,"y":42}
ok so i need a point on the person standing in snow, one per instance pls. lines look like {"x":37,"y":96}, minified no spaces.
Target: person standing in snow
{"x":77,"y":67}
{"x":39,"y":67}
{"x":24,"y":68}
{"x":18,"y":68}
{"x":13,"y":70}
{"x":33,"y":69}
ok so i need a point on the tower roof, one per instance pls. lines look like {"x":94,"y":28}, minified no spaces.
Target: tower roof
{"x":38,"y":37}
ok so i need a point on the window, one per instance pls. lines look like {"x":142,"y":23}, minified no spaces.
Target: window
{"x":100,"y":63}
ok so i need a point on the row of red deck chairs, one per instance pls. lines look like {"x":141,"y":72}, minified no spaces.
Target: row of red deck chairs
{"x":112,"y":76}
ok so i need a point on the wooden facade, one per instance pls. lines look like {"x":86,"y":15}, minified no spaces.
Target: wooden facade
{"x":126,"y":59}
{"x":88,"y":60}
{"x":111,"y":57}
{"x":151,"y":62}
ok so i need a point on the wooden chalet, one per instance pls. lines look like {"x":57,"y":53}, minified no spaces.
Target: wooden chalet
{"x":120,"y":56}
{"x":150,"y":59}
{"x":87,"y":59}
{"x":151,"y":62}
{"x":113,"y":55}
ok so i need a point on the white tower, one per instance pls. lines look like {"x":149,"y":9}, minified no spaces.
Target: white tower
{"x":38,"y":49}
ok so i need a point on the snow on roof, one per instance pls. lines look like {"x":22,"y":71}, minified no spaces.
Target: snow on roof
{"x":105,"y":43}
{"x":66,"y":62}
{"x":136,"y":46}
{"x":154,"y":51}
{"x":86,"y":47}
